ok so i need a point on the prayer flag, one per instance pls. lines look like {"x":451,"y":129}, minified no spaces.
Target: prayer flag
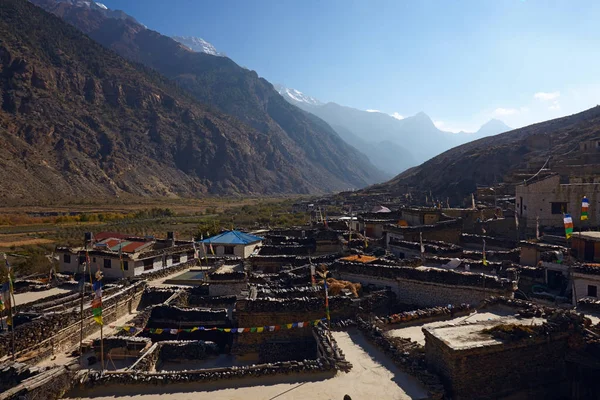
{"x":300,"y":324}
{"x":537,"y":227}
{"x":568,"y":226}
{"x":271,"y":328}
{"x":158,"y":331}
{"x":585,"y":205}
{"x":211,"y":249}
{"x":289,"y":326}
{"x":312,"y":275}
{"x":97,"y":300}
{"x":260,"y":329}
{"x":253,"y":329}
{"x":227,"y":330}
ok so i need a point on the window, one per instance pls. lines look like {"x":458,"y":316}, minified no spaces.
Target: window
{"x":94,"y":259}
{"x":592,"y":291}
{"x":176,"y":258}
{"x":228,"y":250}
{"x":125,"y":265}
{"x":107,"y":263}
{"x":148,"y":264}
{"x":559,"y":207}
{"x":67,"y":259}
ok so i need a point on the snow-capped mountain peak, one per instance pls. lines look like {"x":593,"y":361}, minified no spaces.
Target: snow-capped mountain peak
{"x":198,"y":45}
{"x":296,"y":95}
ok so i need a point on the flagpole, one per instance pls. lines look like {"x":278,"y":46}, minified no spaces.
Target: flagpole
{"x":102,"y":347}
{"x":81,"y":313}
{"x":12,"y":303}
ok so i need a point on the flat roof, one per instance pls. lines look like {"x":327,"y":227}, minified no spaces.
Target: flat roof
{"x":587,"y":235}
{"x":467,"y":336}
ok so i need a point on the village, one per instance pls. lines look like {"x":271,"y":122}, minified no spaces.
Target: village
{"x":389,"y":297}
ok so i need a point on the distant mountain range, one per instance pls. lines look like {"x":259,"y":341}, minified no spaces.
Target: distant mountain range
{"x":198,"y":45}
{"x":392,"y":144}
{"x":505,"y":158}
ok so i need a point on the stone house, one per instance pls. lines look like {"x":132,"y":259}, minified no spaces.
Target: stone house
{"x":232,"y":243}
{"x":586,"y":246}
{"x":586,"y":281}
{"x":547,"y":199}
{"x":137,"y":255}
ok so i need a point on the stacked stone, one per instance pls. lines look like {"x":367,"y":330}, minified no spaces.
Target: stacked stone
{"x":94,"y":378}
{"x":186,"y":350}
{"x":425,"y":313}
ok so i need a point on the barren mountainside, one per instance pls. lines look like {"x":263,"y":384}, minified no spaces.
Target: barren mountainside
{"x":508,"y":157}
{"x":78,"y":121}
{"x":324,"y":159}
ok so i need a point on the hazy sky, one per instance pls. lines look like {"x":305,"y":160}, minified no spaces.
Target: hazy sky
{"x":462,"y":62}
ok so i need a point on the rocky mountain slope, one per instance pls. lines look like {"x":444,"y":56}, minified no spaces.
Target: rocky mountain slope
{"x":78,"y":121}
{"x":392,"y":144}
{"x":320,"y":155}
{"x":507,"y":157}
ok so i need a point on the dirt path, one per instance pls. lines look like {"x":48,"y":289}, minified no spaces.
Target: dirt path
{"x":373,"y":376}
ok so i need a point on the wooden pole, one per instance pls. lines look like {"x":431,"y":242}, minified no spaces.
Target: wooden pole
{"x":12,"y":325}
{"x":102,"y":347}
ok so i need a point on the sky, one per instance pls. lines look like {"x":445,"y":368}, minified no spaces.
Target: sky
{"x":461,"y":62}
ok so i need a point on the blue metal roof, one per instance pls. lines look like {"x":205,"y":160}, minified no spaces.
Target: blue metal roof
{"x":233,"y":237}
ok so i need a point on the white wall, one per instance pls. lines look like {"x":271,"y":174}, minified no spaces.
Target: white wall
{"x":581,"y":282}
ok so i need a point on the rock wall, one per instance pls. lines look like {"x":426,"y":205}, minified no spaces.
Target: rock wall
{"x":56,"y":332}
{"x":532,"y":368}
{"x":428,"y":288}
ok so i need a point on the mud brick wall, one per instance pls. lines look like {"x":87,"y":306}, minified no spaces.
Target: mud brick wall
{"x":56,"y":332}
{"x":492,"y":372}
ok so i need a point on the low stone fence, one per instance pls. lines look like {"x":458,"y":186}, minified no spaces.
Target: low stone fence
{"x":447,"y":277}
{"x":409,"y":356}
{"x":56,"y":331}
{"x":423,"y":316}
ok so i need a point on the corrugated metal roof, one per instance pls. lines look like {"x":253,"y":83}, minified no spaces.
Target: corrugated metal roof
{"x":233,"y":237}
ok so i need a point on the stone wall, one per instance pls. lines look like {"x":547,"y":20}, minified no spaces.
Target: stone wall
{"x":56,"y":332}
{"x":428,"y":287}
{"x":48,"y":385}
{"x":525,"y":367}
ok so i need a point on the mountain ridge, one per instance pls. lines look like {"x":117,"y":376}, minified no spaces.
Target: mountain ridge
{"x":77,"y":121}
{"x":320,"y":155}
{"x":502,"y":158}
{"x":414,"y":139}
